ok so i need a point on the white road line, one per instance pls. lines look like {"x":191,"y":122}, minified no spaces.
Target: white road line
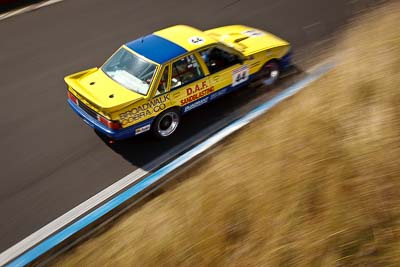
{"x":28,"y":8}
{"x":47,"y":3}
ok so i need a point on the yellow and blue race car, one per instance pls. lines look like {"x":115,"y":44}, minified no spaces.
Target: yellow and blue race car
{"x":147,"y":84}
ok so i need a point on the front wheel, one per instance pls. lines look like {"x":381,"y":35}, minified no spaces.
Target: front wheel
{"x":166,"y":123}
{"x":269,"y":73}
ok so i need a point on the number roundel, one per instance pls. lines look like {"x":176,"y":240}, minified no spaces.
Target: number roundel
{"x":240,"y":75}
{"x":196,"y":40}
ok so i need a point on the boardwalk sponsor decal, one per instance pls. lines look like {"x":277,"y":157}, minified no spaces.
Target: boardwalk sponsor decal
{"x":145,"y":110}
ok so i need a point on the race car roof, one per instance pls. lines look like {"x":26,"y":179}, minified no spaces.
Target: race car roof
{"x":188,"y":37}
{"x":170,"y":43}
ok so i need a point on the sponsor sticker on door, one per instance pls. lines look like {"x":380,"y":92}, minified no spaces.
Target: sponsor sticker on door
{"x":142,"y":129}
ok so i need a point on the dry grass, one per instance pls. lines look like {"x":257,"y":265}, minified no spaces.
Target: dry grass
{"x":313,"y":183}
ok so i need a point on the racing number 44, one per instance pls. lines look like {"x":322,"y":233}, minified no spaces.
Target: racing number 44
{"x":240,"y":75}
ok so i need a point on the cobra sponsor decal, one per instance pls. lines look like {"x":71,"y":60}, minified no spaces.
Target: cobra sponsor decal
{"x":196,"y":104}
{"x":145,"y":110}
{"x":198,"y":91}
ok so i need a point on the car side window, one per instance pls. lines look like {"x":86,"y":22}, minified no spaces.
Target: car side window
{"x":217,"y":59}
{"x":185,"y":70}
{"x":162,"y":86}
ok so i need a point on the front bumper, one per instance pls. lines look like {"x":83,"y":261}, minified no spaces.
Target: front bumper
{"x":123,"y":133}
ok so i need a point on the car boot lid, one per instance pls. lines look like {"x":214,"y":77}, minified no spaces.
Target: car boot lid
{"x":102,"y":91}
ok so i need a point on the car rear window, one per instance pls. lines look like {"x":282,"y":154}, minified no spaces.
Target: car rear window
{"x":130,"y":71}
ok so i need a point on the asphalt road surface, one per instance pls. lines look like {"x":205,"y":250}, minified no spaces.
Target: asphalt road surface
{"x":50,"y":160}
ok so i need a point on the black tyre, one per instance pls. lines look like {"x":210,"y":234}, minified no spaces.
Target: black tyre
{"x":166,"y":123}
{"x":269,"y":73}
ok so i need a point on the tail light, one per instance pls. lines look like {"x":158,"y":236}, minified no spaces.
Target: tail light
{"x":115,"y":125}
{"x":72,"y":97}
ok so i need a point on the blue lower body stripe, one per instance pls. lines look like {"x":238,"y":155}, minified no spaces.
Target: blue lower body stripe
{"x":114,"y":134}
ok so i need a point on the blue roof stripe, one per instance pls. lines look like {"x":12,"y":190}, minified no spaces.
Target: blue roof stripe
{"x":156,"y":48}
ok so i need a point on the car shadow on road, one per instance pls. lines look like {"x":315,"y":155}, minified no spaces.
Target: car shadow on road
{"x":142,"y":149}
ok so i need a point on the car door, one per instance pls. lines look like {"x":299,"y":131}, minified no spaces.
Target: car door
{"x":227,"y":71}
{"x":190,"y":86}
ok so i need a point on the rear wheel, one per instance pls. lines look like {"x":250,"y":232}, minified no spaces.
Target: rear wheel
{"x":166,"y":123}
{"x":269,"y":73}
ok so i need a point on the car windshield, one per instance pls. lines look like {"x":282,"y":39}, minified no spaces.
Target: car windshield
{"x":130,"y":71}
